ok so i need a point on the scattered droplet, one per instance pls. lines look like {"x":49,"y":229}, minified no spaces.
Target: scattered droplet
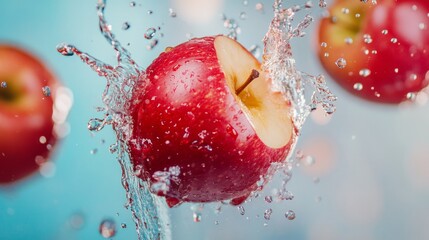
{"x":268,"y":199}
{"x":290,"y":215}
{"x":324,"y":44}
{"x":358,"y":86}
{"x":393,"y":40}
{"x":126,"y":26}
{"x":46,"y":91}
{"x":367,"y":38}
{"x":107,"y":228}
{"x":411,"y":96}
{"x":123,"y":225}
{"x":196,"y":216}
{"x":3,"y":84}
{"x":152,"y":44}
{"x":357,"y":15}
{"x":384,"y":31}
{"x":150,"y":33}
{"x":341,"y":63}
{"x":364,"y":72}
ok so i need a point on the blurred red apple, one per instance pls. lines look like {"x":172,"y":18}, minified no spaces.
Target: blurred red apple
{"x":378,"y":52}
{"x":206,"y":125}
{"x":26,"y":111}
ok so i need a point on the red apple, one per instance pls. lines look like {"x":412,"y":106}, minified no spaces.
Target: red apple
{"x":195,"y":135}
{"x":385,"y":46}
{"x":26,"y":109}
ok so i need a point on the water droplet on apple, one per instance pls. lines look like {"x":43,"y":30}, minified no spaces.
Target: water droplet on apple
{"x":172,"y":13}
{"x":411,"y":96}
{"x":267,"y":214}
{"x":348,"y":40}
{"x":132,"y":4}
{"x":384,"y":31}
{"x":150,"y":33}
{"x":367,"y":38}
{"x":323,"y":44}
{"x":413,"y":77}
{"x":358,"y":86}
{"x":357,"y":15}
{"x":326,"y":54}
{"x":42,"y":139}
{"x":374,"y":52}
{"x":46,"y":91}
{"x":290,"y":215}
{"x":126,"y":26}
{"x":341,"y":63}
{"x":345,"y":10}
{"x":393,"y":40}
{"x":422,"y":26}
{"x":364,"y":72}
{"x":396,"y":70}
{"x":241,"y":210}
{"x":107,"y":228}
{"x":3,"y":84}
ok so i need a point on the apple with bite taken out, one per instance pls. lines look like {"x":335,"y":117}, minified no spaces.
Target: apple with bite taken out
{"x":378,"y":52}
{"x":26,"y":113}
{"x":206,"y":123}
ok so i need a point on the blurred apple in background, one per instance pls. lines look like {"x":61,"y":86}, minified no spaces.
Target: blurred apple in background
{"x":29,"y":121}
{"x":207,"y":125}
{"x":379,"y":52}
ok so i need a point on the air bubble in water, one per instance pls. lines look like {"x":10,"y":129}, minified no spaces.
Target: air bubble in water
{"x":150,"y":33}
{"x":358,"y":86}
{"x":290,"y":215}
{"x":341,"y":63}
{"x":149,"y":12}
{"x":364,"y":72}
{"x":3,"y":84}
{"x":245,"y":2}
{"x":259,"y":7}
{"x":46,"y":91}
{"x":322,"y":3}
{"x":348,"y":40}
{"x":126,"y":26}
{"x":93,"y":151}
{"x":123,"y":225}
{"x":107,"y":228}
{"x":308,"y":4}
{"x":255,"y":50}
{"x":173,"y":14}
{"x":268,"y":199}
{"x":243,"y":15}
{"x":132,"y":4}
{"x":65,"y":49}
{"x":267,"y":214}
{"x":241,"y":210}
{"x":152,"y":44}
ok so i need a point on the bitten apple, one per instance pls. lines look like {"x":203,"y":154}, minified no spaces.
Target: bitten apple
{"x":377,"y":51}
{"x":206,"y":124}
{"x":26,"y":109}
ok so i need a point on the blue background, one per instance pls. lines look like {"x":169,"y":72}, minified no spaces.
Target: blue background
{"x":372,"y":160}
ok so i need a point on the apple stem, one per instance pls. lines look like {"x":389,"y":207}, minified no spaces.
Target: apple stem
{"x":253,"y":75}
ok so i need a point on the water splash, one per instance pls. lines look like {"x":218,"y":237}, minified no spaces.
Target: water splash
{"x":148,"y":211}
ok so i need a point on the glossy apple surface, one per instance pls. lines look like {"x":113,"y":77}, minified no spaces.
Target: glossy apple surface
{"x":385,"y":46}
{"x":191,"y":128}
{"x":26,"y":111}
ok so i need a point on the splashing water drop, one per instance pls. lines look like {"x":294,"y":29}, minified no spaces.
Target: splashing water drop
{"x":341,"y":63}
{"x":65,"y":49}
{"x":290,"y":215}
{"x":107,"y":228}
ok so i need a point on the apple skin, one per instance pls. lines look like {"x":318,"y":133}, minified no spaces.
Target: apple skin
{"x":388,"y":19}
{"x":187,"y":117}
{"x":25,"y":114}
